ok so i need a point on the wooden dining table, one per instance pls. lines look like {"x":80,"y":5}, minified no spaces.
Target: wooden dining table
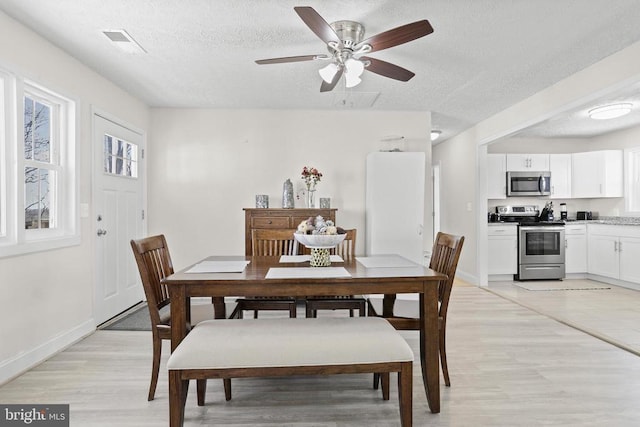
{"x":252,"y":281}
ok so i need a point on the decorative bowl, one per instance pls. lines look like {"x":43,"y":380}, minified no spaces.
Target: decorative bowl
{"x":319,"y":241}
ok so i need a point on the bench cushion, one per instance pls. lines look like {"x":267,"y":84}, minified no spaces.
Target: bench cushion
{"x":284,"y":342}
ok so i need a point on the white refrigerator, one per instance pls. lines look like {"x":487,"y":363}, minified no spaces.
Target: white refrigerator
{"x":394,"y":212}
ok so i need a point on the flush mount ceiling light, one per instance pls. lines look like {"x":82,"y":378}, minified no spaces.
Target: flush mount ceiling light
{"x":611,"y":111}
{"x":123,"y":41}
{"x":435,"y":134}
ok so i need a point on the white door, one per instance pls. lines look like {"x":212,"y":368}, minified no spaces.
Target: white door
{"x":394,"y":211}
{"x":436,"y":199}
{"x":117,"y":216}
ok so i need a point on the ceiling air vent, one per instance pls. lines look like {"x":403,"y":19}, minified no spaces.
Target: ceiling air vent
{"x":123,"y":41}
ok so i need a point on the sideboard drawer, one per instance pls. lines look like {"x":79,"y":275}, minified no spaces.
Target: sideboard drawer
{"x":271,"y":222}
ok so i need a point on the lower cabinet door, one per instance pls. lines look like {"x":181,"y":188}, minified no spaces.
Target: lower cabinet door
{"x":629,"y":251}
{"x":603,"y":256}
{"x":576,"y":253}
{"x":503,"y":255}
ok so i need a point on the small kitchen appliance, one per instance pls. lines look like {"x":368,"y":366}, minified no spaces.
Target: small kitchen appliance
{"x":563,"y":211}
{"x":582,"y":215}
{"x":528,"y":184}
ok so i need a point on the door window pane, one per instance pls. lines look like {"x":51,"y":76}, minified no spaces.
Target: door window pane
{"x":120,"y":157}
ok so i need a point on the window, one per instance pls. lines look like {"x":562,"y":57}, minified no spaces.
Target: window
{"x":38,"y":189}
{"x":632,"y":184}
{"x":41,"y":165}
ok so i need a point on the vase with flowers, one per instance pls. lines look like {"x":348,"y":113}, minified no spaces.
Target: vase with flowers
{"x":311,"y":177}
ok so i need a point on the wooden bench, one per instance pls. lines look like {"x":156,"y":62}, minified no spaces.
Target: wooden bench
{"x":284,"y":347}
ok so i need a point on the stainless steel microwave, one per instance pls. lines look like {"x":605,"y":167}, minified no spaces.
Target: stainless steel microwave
{"x":528,"y":184}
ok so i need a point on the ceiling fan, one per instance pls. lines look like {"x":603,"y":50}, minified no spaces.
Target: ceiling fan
{"x":346,"y":49}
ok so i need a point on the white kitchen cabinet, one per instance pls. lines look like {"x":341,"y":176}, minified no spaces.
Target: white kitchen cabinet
{"x":527,"y":162}
{"x":614,"y":251}
{"x":575,"y":248}
{"x":560,"y":167}
{"x":629,"y":252}
{"x":603,"y":255}
{"x":496,"y":176}
{"x":503,"y":249}
{"x":597,"y":174}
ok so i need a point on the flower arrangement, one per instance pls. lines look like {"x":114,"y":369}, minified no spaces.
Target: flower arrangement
{"x":311,"y":176}
{"x":318,"y":225}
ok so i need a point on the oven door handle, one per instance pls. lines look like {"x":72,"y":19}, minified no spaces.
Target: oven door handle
{"x":541,"y":228}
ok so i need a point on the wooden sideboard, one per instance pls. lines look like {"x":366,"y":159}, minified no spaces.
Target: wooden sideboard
{"x":256,"y":218}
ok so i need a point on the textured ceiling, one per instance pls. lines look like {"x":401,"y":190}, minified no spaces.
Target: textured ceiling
{"x":483,"y":56}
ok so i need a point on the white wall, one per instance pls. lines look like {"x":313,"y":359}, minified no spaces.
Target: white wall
{"x":205,"y":166}
{"x":458,"y":193}
{"x":47,"y":297}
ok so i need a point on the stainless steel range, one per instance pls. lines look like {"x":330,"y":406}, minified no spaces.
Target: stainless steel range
{"x":540,"y":243}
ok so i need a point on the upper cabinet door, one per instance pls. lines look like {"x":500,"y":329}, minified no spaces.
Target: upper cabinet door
{"x":597,"y":174}
{"x":496,"y":176}
{"x":560,"y":167}
{"x":527,"y":162}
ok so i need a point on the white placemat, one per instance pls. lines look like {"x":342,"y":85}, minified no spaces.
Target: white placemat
{"x":219,"y":267}
{"x":306,"y":272}
{"x":305,"y":258}
{"x":385,"y":261}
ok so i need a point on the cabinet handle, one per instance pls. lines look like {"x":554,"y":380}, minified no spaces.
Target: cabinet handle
{"x":615,"y":246}
{"x":269,"y":222}
{"x":619,"y":246}
{"x":565,"y":243}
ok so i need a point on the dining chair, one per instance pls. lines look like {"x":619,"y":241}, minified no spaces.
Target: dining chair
{"x":269,"y":242}
{"x":347,"y":250}
{"x":404,"y":314}
{"x":154,"y":264}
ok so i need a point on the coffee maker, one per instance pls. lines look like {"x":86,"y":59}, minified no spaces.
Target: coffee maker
{"x":563,"y":211}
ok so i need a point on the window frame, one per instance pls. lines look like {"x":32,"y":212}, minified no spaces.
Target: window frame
{"x":15,"y":239}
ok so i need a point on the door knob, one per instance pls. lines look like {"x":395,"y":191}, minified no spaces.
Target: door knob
{"x":101,"y":232}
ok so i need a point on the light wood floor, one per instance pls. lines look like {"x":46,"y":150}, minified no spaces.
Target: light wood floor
{"x":509,"y":366}
{"x":612,"y":315}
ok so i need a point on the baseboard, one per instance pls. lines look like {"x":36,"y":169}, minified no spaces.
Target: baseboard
{"x":617,"y":282}
{"x":11,"y":368}
{"x":469,"y":278}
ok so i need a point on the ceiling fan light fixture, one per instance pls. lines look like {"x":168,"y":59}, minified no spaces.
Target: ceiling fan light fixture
{"x":611,"y":111}
{"x":352,"y":80}
{"x":354,"y":67}
{"x":353,"y":70}
{"x":329,"y":72}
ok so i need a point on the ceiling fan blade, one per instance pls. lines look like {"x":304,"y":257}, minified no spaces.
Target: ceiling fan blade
{"x":398,"y":36}
{"x":327,"y":87}
{"x":387,"y":69}
{"x":288,"y":59}
{"x":318,"y":25}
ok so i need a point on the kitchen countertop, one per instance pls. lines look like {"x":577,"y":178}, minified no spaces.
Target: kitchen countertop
{"x":608,"y":220}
